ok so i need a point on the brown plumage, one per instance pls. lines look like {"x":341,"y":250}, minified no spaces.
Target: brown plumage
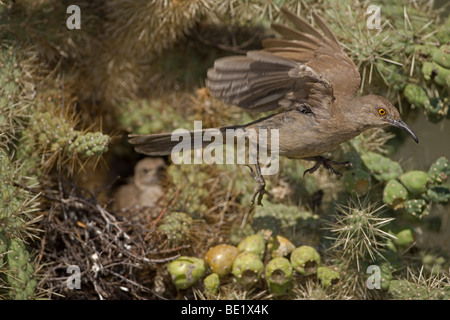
{"x":309,"y":81}
{"x":139,"y":198}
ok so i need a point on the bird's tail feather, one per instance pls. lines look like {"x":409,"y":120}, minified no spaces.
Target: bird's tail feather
{"x":162,"y":144}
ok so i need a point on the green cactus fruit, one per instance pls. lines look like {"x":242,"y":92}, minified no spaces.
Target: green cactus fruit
{"x":305,"y":260}
{"x":357,"y":181}
{"x":436,"y":110}
{"x":442,"y":56}
{"x":90,"y":144}
{"x":212,"y":283}
{"x":186,"y":271}
{"x":254,"y":243}
{"x":437,"y":73}
{"x":404,"y":238}
{"x":21,"y":275}
{"x":438,"y":194}
{"x":415,"y":181}
{"x":416,"y":95}
{"x":279,"y":276}
{"x":395,"y":194}
{"x":439,"y":171}
{"x":279,"y":246}
{"x":248,"y":268}
{"x":327,"y":276}
{"x":176,"y":226}
{"x":382,"y":168}
{"x":417,"y":207}
{"x":220,"y":259}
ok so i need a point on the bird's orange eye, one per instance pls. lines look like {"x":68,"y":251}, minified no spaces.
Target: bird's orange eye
{"x":381,"y":111}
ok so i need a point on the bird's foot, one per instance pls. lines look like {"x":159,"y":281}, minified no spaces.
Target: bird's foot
{"x":260,"y":190}
{"x":327,"y":164}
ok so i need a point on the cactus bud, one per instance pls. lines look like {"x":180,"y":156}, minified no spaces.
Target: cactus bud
{"x":327,"y":276}
{"x":212,"y":283}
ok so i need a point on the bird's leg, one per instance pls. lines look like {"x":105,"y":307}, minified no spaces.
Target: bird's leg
{"x":327,"y":164}
{"x":260,"y":190}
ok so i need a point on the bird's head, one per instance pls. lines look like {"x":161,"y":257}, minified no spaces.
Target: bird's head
{"x":149,"y":171}
{"x":379,"y":112}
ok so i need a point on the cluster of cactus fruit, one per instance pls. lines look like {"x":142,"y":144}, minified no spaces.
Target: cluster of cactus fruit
{"x":257,"y":261}
{"x":414,"y":190}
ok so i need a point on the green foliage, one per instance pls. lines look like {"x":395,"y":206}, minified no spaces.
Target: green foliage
{"x":415,"y":181}
{"x":177,"y":226}
{"x":20,"y":275}
{"x":394,"y":194}
{"x":144,"y":116}
{"x":277,"y":216}
{"x":407,"y":290}
{"x":417,"y":207}
{"x":381,"y":167}
{"x":357,"y":232}
{"x":439,"y":171}
{"x":357,"y":181}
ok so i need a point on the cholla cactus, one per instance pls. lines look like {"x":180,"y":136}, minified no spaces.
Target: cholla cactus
{"x":177,"y":226}
{"x":421,"y":286}
{"x":16,"y":223}
{"x":382,"y":168}
{"x":358,"y":231}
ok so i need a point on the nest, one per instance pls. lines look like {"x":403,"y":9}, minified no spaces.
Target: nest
{"x":116,"y":258}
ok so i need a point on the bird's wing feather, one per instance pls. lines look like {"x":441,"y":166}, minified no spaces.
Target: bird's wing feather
{"x":303,"y":67}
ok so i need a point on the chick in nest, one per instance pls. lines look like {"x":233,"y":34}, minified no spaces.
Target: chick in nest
{"x":141,"y":196}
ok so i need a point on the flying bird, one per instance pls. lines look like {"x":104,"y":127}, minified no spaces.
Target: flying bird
{"x":309,"y":83}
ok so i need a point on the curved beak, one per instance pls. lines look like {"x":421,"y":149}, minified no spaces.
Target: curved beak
{"x":400,"y":124}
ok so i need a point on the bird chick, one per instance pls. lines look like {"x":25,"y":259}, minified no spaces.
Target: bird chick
{"x":142,"y":194}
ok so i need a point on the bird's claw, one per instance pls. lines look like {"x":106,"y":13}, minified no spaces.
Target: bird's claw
{"x":327,"y":164}
{"x":260,"y":190}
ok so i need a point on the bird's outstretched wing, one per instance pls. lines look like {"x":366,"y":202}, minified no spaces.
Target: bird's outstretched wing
{"x":304,"y":67}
